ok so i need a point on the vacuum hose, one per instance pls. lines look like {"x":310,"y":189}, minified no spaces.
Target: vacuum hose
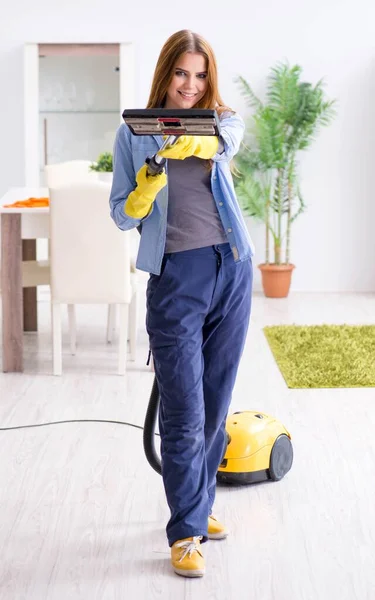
{"x":156,"y":163}
{"x":155,"y":166}
{"x":149,"y":428}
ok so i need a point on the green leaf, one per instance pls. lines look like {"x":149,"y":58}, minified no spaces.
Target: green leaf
{"x":103,"y":164}
{"x":248,"y":93}
{"x":251,"y":196}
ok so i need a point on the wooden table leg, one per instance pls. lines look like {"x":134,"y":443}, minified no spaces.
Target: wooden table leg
{"x":30,"y":312}
{"x":11,"y":292}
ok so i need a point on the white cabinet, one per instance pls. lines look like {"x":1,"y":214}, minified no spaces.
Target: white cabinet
{"x":74,"y":95}
{"x":79,"y":107}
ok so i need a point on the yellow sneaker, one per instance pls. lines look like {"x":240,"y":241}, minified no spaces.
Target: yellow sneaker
{"x":187,"y":558}
{"x":216,"y":530}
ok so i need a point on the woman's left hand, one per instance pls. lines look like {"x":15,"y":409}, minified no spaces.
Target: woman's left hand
{"x":192,"y":145}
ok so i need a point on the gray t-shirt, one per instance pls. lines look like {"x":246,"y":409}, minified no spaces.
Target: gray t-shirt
{"x":193,"y":220}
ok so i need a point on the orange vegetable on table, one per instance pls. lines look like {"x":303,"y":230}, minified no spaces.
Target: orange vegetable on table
{"x":29,"y":203}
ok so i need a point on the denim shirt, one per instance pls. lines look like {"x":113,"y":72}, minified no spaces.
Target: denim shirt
{"x":129,"y":156}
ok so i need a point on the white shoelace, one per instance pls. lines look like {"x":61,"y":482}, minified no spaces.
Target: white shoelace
{"x":189,"y":546}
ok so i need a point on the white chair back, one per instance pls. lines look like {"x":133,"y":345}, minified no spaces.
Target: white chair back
{"x":72,"y":171}
{"x":90,"y":257}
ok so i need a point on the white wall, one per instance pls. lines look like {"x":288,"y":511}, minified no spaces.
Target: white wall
{"x":333,"y":244}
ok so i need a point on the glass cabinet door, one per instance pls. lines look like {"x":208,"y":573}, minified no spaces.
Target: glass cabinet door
{"x":79,"y":107}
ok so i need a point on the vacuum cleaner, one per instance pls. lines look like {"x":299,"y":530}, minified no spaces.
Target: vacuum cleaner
{"x":258,"y":447}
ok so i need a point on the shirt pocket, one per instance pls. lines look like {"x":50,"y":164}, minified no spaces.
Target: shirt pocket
{"x":143,"y":149}
{"x":144,"y":143}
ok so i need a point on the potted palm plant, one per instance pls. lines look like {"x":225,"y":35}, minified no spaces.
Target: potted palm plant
{"x":104,"y":167}
{"x":266,"y":179}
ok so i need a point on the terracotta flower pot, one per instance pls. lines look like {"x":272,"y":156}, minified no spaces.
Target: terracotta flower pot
{"x":276,"y":279}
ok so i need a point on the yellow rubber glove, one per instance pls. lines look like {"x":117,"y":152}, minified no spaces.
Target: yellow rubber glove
{"x":201,"y":146}
{"x":140,"y":200}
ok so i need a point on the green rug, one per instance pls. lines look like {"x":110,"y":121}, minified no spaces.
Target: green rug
{"x":324,"y":356}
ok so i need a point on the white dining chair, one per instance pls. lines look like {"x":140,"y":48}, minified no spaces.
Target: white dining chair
{"x":63,"y":173}
{"x":90,"y":262}
{"x":69,"y":172}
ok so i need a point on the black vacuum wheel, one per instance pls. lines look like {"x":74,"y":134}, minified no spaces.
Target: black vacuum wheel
{"x":281,"y":457}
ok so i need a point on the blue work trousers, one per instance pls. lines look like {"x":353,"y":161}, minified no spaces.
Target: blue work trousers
{"x":198,"y":312}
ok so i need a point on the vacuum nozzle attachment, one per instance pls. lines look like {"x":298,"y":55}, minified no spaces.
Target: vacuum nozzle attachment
{"x":172,"y":123}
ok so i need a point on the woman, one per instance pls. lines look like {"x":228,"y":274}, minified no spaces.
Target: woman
{"x":196,"y":247}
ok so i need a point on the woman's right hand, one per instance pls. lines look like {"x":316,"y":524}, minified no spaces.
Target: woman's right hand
{"x":140,"y":201}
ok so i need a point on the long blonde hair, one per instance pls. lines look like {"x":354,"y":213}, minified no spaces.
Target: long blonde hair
{"x":176,"y":45}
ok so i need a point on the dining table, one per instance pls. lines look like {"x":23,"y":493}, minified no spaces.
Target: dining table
{"x":20,"y":228}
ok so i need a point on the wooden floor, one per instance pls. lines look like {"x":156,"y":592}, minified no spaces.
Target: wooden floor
{"x":83,"y":515}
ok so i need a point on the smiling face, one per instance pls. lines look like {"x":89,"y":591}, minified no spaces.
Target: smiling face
{"x":189,"y":81}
